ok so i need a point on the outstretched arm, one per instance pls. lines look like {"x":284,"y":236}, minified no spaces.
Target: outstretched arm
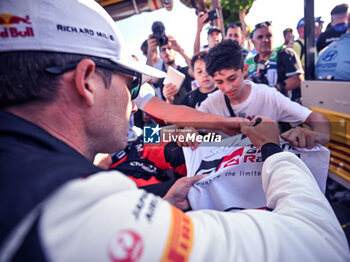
{"x":186,"y":116}
{"x":303,"y":137}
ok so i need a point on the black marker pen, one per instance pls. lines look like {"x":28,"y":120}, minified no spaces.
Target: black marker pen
{"x":256,"y":122}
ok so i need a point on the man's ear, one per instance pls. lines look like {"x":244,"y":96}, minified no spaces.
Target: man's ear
{"x":84,"y":84}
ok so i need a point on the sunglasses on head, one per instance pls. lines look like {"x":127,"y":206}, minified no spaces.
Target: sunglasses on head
{"x":263,"y":24}
{"x":134,"y":87}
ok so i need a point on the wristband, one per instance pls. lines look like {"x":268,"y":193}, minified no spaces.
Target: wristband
{"x":270,"y":149}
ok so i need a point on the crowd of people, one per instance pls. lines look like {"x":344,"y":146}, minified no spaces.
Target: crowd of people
{"x":76,"y":186}
{"x":281,"y":67}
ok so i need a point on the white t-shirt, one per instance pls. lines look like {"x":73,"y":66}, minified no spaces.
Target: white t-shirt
{"x":262,"y":100}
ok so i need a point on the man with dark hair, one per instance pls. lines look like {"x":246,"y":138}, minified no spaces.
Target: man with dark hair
{"x":235,"y":31}
{"x":279,"y":67}
{"x":247,"y":99}
{"x":59,"y":110}
{"x":167,"y":53}
{"x":339,"y":20}
{"x":232,"y":60}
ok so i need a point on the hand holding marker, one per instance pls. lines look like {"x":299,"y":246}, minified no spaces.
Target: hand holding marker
{"x":256,"y":122}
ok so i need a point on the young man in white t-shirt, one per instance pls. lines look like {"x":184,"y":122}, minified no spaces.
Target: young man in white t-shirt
{"x":242,"y":98}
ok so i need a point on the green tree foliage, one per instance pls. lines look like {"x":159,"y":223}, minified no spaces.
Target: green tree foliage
{"x":235,"y":10}
{"x":232,"y":10}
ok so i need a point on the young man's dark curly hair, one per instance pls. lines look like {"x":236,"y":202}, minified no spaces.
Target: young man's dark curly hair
{"x":226,"y":55}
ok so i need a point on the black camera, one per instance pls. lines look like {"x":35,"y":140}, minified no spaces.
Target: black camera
{"x":212,"y":15}
{"x":263,"y":66}
{"x":158,"y":30}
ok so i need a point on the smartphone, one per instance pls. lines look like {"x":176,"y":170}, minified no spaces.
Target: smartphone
{"x":212,"y":15}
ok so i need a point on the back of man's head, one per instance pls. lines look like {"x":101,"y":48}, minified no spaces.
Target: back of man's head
{"x":340,"y":9}
{"x":226,"y":55}
{"x":339,"y":14}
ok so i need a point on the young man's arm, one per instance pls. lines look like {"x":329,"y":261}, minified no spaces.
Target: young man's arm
{"x":185,"y":116}
{"x":303,"y":137}
{"x":321,"y":126}
{"x":294,"y":113}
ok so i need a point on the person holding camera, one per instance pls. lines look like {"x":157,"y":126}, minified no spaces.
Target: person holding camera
{"x":214,"y":33}
{"x":168,"y":52}
{"x":168,"y":48}
{"x":278,"y":67}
